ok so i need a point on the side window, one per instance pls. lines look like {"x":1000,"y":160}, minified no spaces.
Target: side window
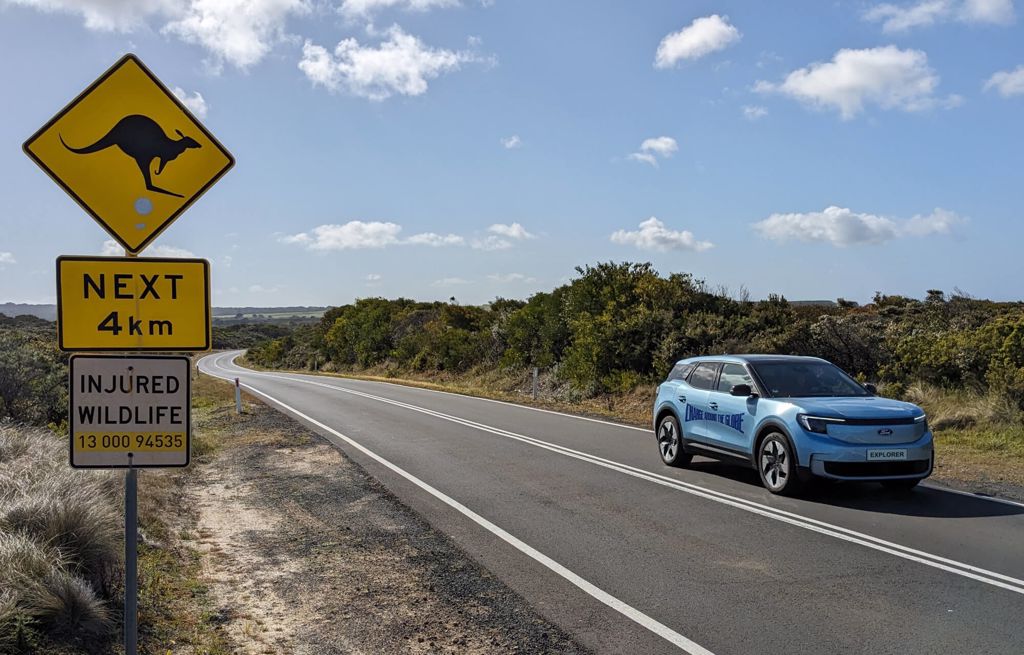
{"x":733,"y":374}
{"x":703,"y":377}
{"x":679,"y":372}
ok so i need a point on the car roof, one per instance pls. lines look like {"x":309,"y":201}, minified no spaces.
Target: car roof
{"x":750,"y":358}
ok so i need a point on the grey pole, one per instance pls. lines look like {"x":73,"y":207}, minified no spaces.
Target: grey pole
{"x":131,"y":553}
{"x":131,"y":543}
{"x":238,"y":396}
{"x":535,"y":383}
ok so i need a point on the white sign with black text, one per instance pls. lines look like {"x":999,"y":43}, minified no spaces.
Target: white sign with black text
{"x":130,"y":411}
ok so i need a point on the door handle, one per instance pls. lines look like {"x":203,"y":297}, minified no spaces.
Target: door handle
{"x":682,"y":399}
{"x":713,"y":405}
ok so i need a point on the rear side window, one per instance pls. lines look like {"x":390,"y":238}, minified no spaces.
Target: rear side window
{"x":680,"y":371}
{"x":703,"y":377}
{"x":733,"y":374}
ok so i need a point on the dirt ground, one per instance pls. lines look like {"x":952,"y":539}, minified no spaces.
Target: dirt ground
{"x":305,"y":553}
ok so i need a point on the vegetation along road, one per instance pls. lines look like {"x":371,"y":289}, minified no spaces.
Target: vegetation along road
{"x":581,"y":518}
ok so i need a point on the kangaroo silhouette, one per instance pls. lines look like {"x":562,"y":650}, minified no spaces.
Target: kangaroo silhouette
{"x":142,"y":139}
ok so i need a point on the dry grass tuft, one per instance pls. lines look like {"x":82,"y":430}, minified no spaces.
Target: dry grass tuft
{"x":60,"y":542}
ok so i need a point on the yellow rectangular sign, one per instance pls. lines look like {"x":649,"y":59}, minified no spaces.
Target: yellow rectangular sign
{"x":130,"y":153}
{"x":133,"y":304}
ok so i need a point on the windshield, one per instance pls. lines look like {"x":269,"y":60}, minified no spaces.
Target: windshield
{"x":807,"y":379}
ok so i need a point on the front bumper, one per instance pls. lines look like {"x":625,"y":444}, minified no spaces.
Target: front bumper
{"x":850,"y":462}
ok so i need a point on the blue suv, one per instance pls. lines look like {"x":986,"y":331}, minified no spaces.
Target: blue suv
{"x":790,"y":418}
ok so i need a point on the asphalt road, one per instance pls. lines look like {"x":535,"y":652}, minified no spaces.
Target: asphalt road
{"x":582,"y":518}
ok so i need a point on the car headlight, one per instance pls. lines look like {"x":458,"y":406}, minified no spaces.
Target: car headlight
{"x":818,"y":424}
{"x":921,"y":425}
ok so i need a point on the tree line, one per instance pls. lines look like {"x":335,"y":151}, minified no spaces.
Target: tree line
{"x":619,"y":325}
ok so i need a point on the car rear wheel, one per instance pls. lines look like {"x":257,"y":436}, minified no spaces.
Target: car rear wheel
{"x":776,"y":464}
{"x":900,"y":485}
{"x":670,"y":442}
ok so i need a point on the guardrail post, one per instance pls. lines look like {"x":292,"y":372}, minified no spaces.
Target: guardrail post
{"x":535,"y":383}
{"x":238,"y":396}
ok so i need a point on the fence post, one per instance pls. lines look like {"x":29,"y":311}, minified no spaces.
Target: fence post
{"x":535,"y":383}
{"x":238,"y":396}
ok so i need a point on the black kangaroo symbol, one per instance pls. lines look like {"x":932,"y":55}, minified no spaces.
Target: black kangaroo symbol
{"x":142,"y":139}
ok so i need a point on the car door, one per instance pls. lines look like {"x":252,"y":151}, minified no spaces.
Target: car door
{"x":729,"y":418}
{"x":694,"y":398}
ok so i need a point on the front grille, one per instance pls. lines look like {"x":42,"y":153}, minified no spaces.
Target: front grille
{"x":879,"y":421}
{"x":876,"y":469}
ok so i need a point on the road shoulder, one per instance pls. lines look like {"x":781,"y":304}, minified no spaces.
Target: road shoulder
{"x":305,"y":552}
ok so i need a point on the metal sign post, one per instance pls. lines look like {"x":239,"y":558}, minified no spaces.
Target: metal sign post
{"x":134,"y":158}
{"x":131,"y":561}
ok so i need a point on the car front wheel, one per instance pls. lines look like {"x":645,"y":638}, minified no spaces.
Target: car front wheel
{"x":670,"y":442}
{"x":776,"y":464}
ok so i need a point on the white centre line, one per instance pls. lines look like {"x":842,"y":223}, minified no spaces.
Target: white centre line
{"x":935,"y":561}
{"x":630,"y":612}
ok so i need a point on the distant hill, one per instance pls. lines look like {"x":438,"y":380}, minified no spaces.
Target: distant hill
{"x":251,"y":314}
{"x":45,"y":312}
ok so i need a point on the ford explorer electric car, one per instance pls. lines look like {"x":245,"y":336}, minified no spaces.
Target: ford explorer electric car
{"x":790,"y":418}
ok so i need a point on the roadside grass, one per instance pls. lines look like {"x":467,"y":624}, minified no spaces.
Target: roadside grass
{"x":60,"y":547}
{"x":62,"y":544}
{"x":979,"y":437}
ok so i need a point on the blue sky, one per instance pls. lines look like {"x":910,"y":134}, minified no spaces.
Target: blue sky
{"x":436,"y":148}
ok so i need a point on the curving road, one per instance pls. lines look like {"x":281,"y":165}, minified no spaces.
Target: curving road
{"x":581,"y":517}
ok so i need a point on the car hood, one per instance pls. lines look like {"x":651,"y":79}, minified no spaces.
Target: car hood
{"x":859,"y":407}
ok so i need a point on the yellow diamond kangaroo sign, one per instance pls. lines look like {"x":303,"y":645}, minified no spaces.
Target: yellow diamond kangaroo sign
{"x":129,"y":153}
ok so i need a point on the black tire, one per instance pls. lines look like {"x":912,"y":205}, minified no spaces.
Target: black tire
{"x":670,"y":442}
{"x":903,"y":486}
{"x":777,"y":465}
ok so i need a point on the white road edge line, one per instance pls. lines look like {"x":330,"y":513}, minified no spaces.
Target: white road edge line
{"x":927,"y":485}
{"x":979,"y":496}
{"x":486,"y":400}
{"x":589,"y":588}
{"x":822,"y":527}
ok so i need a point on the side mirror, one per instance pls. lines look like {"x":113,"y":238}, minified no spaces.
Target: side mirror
{"x":743,"y":390}
{"x":871,"y":389}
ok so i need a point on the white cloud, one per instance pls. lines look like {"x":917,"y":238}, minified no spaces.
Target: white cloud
{"x":512,"y":142}
{"x":653,"y":235}
{"x":449,"y":282}
{"x":513,"y":231}
{"x":364,"y":8}
{"x":111,"y":248}
{"x":645,"y":157}
{"x":108,"y":15}
{"x":940,"y":221}
{"x":651,"y":149}
{"x":195,"y":102}
{"x":886,"y":76}
{"x":491,"y":242}
{"x":895,"y":18}
{"x":356,"y":235}
{"x":402,"y":64}
{"x":241,"y":32}
{"x":373,"y":277}
{"x":435,"y":240}
{"x":841,"y":227}
{"x":701,"y":37}
{"x":511,"y":277}
{"x":7,"y":258}
{"x":900,"y":18}
{"x":755,"y":112}
{"x":259,"y":288}
{"x":1007,"y":83}
{"x":997,"y":12}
